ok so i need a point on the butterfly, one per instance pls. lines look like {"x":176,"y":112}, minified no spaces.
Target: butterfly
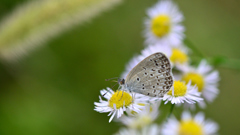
{"x":151,"y":77}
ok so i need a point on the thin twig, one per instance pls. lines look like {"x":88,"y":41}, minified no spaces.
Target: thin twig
{"x":194,"y":48}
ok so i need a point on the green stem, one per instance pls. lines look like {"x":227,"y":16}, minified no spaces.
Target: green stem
{"x":218,"y":61}
{"x":225,"y":63}
{"x":194,"y":48}
{"x":171,"y":111}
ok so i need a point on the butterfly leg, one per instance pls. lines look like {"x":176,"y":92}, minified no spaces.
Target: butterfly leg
{"x":105,"y":92}
{"x":132,"y":100}
{"x":118,"y":92}
{"x":132,"y":97}
{"x":121,"y":96}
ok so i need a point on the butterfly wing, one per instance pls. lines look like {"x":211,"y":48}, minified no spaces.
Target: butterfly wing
{"x":152,"y":76}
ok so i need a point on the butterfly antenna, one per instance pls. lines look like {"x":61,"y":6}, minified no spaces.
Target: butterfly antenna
{"x":111,"y":87}
{"x":105,"y":93}
{"x":111,"y":78}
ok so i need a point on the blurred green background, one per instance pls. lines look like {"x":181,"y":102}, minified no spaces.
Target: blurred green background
{"x":52,"y":90}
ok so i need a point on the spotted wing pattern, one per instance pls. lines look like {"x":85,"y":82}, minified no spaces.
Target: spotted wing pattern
{"x":151,"y":77}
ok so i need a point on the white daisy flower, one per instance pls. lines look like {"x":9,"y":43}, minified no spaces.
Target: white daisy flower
{"x":181,"y":93}
{"x":163,"y":24}
{"x":147,"y":130}
{"x":128,"y":131}
{"x":118,"y":102}
{"x":189,"y":125}
{"x":142,"y":119}
{"x":204,"y":78}
{"x":177,"y":55}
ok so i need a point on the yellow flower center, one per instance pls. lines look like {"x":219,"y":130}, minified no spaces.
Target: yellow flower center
{"x":178,"y":56}
{"x":190,"y":128}
{"x":180,"y":89}
{"x":196,"y":79}
{"x":120,"y":98}
{"x":161,"y":25}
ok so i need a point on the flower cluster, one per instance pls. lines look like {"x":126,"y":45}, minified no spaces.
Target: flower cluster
{"x":194,"y":84}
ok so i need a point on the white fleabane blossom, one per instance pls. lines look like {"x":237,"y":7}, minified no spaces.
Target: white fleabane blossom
{"x":189,"y":125}
{"x":148,"y":130}
{"x":182,"y":93}
{"x":204,"y":77}
{"x":118,"y":102}
{"x":163,"y":25}
{"x":142,"y":119}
